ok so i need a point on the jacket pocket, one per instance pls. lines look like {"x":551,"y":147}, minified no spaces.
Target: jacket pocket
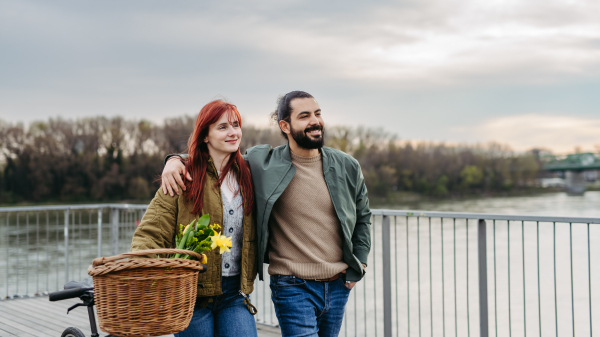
{"x":212,"y":269}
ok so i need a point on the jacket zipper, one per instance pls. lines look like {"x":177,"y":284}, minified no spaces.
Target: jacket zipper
{"x":251,"y":308}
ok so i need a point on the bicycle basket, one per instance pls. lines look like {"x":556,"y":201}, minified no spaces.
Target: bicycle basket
{"x":143,"y":296}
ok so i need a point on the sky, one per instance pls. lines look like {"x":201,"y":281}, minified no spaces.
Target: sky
{"x":525,"y":73}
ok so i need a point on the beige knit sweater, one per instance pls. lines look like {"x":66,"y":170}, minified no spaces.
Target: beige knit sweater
{"x":305,"y":234}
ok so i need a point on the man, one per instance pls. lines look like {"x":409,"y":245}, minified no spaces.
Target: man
{"x":313,"y":219}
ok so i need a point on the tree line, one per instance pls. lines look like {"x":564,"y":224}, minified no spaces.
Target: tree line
{"x":115,"y":159}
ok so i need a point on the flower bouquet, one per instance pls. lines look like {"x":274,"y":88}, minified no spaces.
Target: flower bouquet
{"x":200,"y":237}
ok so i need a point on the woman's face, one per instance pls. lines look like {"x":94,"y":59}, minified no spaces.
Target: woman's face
{"x":224,"y":137}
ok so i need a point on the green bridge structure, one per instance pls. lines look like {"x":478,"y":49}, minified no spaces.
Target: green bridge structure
{"x":573,"y":165}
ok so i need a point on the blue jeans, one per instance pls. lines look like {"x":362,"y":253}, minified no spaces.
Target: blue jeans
{"x":308,"y":308}
{"x":226,"y":315}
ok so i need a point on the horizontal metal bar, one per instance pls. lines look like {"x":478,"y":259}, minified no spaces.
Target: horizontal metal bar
{"x":484,"y":216}
{"x":66,"y":207}
{"x":388,"y":212}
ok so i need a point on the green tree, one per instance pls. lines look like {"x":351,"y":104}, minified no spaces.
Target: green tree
{"x":471,"y":176}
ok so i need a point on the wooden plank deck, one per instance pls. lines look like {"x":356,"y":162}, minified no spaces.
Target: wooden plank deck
{"x":38,"y":317}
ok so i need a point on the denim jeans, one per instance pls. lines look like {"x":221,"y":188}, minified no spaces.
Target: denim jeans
{"x":225,"y":316}
{"x":308,"y":308}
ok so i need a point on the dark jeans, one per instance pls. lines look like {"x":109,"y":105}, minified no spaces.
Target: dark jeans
{"x":308,"y":308}
{"x":225,"y":316}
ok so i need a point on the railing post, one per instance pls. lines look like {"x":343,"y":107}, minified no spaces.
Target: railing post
{"x":387,"y":277}
{"x":114,"y":231}
{"x":483,"y":291}
{"x":99,"y":232}
{"x":66,"y":234}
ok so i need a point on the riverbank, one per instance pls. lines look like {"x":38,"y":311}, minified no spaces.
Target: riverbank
{"x":392,"y":200}
{"x":542,"y":204}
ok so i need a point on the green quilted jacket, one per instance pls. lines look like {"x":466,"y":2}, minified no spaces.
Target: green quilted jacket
{"x":158,"y":227}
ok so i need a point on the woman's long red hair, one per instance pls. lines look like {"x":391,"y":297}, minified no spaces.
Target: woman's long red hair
{"x":197,"y":162}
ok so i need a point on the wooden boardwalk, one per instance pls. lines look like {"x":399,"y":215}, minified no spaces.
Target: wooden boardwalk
{"x":38,"y":317}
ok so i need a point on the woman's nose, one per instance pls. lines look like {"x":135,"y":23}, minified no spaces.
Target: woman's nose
{"x":230,"y":131}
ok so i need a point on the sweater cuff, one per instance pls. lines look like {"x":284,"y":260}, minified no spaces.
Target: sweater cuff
{"x":169,"y":157}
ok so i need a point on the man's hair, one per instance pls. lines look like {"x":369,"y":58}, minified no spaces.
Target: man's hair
{"x":284,"y":110}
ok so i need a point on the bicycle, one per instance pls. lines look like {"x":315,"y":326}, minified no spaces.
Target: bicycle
{"x":85,"y":291}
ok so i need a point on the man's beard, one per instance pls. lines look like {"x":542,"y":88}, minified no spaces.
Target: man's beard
{"x":305,"y":141}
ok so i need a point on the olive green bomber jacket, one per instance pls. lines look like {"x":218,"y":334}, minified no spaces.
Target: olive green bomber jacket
{"x":164,"y":215}
{"x":272,"y":170}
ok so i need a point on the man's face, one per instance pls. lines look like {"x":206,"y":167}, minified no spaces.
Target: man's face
{"x":307,"y":126}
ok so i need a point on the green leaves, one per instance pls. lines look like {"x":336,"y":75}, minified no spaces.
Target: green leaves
{"x":203,"y":221}
{"x":194,"y":237}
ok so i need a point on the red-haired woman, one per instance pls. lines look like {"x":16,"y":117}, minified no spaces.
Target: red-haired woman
{"x":221,"y":186}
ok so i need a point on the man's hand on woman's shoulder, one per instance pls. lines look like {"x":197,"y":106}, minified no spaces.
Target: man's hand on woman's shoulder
{"x":171,"y":176}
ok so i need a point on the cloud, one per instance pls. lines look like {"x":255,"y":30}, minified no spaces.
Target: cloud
{"x":423,"y":43}
{"x":562,"y":134}
{"x":421,"y":68}
{"x":414,"y":43}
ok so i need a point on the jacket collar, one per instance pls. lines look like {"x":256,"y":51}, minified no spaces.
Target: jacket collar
{"x":212,"y":169}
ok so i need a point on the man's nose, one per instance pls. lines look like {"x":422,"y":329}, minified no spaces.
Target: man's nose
{"x":313,"y":120}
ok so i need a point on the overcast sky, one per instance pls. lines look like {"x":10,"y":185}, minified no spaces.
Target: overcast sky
{"x":521,"y":72}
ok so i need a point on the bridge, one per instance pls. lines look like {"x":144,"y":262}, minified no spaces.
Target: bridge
{"x":573,"y":165}
{"x":430,"y":273}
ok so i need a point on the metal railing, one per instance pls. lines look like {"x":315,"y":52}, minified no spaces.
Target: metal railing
{"x":429,"y":273}
{"x":43,"y":247}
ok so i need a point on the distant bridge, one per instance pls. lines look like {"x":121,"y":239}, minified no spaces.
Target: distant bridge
{"x":573,"y":165}
{"x":572,"y":162}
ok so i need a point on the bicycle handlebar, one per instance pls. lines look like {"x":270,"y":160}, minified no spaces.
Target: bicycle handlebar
{"x":68,"y":293}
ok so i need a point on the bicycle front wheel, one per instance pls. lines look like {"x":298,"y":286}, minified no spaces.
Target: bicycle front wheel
{"x":72,"y":332}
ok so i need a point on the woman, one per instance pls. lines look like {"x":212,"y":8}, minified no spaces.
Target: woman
{"x":221,"y":187}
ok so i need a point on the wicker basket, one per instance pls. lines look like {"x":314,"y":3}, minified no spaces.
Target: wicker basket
{"x":145,"y":297}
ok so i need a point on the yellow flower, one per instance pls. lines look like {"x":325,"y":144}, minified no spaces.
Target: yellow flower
{"x":220,"y":241}
{"x":204,"y":259}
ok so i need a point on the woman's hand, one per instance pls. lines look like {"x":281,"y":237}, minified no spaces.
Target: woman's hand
{"x":171,"y":176}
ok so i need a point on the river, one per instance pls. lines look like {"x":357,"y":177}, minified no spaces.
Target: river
{"x":429,"y":297}
{"x":547,"y":204}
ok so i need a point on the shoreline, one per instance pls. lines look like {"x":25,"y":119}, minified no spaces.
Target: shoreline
{"x":412,"y":198}
{"x":395,"y":198}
